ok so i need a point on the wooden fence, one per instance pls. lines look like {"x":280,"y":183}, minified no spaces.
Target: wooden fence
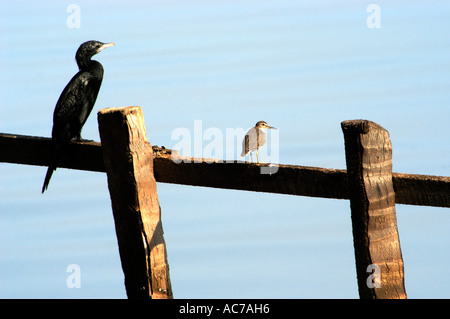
{"x":133,"y":167}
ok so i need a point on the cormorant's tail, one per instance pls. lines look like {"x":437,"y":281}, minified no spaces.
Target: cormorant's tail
{"x":51,"y":168}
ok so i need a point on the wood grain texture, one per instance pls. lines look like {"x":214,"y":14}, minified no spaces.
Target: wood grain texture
{"x":376,"y":241}
{"x":128,"y":161}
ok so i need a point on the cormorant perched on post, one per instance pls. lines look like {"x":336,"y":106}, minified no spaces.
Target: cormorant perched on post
{"x":76,"y":101}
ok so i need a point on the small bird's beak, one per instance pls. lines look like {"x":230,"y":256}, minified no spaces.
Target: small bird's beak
{"x":106,"y":45}
{"x":271,"y":127}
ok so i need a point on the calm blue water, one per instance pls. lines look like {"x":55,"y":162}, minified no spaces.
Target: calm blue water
{"x":303,"y":66}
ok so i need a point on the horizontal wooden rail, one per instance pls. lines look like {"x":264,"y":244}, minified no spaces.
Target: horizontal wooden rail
{"x":409,"y":189}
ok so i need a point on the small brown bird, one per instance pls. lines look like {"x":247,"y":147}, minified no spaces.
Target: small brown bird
{"x":254,"y":139}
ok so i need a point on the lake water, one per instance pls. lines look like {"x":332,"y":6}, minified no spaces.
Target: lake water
{"x":302,"y":66}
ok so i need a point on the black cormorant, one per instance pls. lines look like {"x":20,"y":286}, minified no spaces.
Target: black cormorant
{"x":76,"y":101}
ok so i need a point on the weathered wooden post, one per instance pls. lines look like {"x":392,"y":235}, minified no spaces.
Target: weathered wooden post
{"x":379,"y":263}
{"x":128,"y":161}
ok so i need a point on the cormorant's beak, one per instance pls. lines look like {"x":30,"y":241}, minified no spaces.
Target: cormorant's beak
{"x":106,"y":45}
